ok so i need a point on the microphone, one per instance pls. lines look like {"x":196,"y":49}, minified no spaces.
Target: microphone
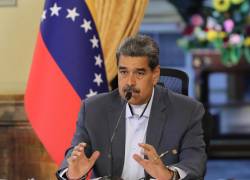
{"x":128,"y":95}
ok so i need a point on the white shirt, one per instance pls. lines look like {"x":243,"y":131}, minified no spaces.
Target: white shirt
{"x":136,"y":128}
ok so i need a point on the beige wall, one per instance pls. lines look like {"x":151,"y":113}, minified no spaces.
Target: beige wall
{"x":19,"y":26}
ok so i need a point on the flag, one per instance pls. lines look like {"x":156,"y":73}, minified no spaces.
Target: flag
{"x":67,"y":67}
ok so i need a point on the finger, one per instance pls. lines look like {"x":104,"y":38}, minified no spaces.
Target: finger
{"x":76,"y":153}
{"x":149,"y":150}
{"x":82,"y":144}
{"x":80,"y":147}
{"x":147,"y":147}
{"x":79,"y":150}
{"x":144,"y":148}
{"x":140,"y":160}
{"x":94,"y":157}
{"x":71,"y":159}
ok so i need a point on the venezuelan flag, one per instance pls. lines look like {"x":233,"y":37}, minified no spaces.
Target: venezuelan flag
{"x":68,"y":66}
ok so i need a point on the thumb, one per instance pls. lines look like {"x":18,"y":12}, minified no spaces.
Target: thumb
{"x":94,"y":157}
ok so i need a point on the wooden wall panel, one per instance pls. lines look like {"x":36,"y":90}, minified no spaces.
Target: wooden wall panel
{"x":22,"y":156}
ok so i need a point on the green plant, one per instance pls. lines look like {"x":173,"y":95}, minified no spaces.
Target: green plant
{"x":224,"y":25}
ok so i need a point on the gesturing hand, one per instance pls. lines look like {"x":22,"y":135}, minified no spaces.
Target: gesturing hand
{"x":153,"y":165}
{"x":78,"y":163}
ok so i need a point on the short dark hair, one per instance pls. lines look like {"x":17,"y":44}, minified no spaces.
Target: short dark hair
{"x":140,"y":45}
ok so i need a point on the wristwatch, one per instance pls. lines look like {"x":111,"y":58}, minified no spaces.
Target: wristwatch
{"x":176,"y":175}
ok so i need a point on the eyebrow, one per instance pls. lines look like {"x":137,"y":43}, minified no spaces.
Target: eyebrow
{"x":140,"y":69}
{"x":122,"y":67}
{"x":137,"y":69}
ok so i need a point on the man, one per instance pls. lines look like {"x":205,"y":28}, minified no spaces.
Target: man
{"x":156,"y":134}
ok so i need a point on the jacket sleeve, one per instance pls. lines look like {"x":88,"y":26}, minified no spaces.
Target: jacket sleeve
{"x":192,"y":155}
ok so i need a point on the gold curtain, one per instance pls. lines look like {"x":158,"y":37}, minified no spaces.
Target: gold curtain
{"x":116,"y":20}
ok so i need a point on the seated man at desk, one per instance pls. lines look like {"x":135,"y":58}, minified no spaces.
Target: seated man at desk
{"x":139,"y":131}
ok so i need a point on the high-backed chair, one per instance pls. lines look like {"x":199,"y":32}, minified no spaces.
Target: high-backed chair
{"x":177,"y":81}
{"x":174,"y":79}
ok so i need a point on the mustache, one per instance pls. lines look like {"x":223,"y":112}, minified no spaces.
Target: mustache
{"x":132,"y":89}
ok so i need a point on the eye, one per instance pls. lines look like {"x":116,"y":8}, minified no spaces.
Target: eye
{"x":123,"y":72}
{"x":140,"y":74}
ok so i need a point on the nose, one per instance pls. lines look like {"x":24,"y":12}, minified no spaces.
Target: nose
{"x":131,"y":79}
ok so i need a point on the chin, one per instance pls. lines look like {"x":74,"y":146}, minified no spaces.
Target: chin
{"x":131,"y":101}
{"x":134,"y":102}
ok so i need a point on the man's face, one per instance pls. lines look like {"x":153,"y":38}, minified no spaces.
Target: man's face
{"x":135,"y":72}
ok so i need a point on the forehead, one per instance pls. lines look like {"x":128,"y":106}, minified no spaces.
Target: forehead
{"x":133,"y":62}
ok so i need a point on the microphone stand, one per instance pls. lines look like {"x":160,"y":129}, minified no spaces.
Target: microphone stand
{"x":128,"y":96}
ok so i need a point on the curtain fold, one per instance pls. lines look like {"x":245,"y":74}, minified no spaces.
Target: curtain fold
{"x":116,"y":20}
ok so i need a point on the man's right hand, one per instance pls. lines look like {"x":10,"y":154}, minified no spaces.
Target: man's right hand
{"x":78,"y":163}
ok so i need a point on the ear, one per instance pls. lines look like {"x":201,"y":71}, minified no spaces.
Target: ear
{"x":156,"y":74}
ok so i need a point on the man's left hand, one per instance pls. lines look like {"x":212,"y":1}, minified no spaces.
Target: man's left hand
{"x":153,"y":165}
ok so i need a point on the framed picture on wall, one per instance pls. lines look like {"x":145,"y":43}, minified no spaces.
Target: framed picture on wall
{"x":8,"y":2}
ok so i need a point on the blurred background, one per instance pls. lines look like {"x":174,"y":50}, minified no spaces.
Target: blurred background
{"x":219,"y":77}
